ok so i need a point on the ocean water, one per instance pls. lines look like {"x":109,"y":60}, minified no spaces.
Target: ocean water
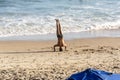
{"x":36,"y":17}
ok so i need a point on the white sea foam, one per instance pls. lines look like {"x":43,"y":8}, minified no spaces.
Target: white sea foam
{"x":39,"y":25}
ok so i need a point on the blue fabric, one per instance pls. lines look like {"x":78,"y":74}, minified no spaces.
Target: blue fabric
{"x":93,"y":74}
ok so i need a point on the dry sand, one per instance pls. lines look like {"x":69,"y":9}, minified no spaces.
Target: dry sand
{"x":35,"y":60}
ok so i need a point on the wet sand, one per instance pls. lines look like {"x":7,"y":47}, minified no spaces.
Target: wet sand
{"x":35,"y":60}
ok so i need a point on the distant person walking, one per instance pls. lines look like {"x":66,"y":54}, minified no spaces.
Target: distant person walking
{"x":61,"y":42}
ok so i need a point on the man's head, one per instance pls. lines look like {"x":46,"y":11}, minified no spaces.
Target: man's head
{"x":60,"y":49}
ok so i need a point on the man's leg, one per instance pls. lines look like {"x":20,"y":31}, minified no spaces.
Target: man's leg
{"x":60,"y":29}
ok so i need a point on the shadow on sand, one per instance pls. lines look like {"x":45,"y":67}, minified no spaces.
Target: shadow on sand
{"x":15,"y":52}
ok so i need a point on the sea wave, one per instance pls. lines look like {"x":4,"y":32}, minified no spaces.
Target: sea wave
{"x":44,"y":25}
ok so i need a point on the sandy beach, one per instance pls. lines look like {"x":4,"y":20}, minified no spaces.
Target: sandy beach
{"x":35,"y":60}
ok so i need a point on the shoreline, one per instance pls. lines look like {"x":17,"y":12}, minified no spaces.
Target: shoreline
{"x":36,"y":59}
{"x":67,"y":36}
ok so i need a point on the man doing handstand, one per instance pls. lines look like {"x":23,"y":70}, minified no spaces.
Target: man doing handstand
{"x":61,"y":42}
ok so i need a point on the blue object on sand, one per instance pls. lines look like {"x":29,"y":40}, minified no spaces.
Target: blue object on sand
{"x":93,"y":74}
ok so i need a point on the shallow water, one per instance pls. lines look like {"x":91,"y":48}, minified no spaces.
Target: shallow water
{"x":67,"y":36}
